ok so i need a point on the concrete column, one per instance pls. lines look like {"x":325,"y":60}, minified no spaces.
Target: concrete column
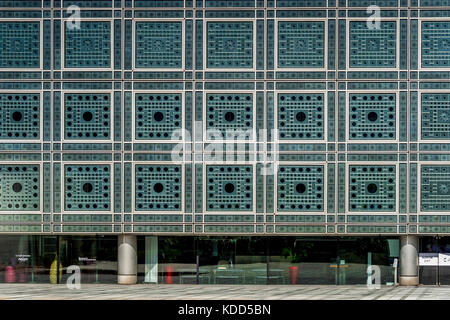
{"x":127,"y":259}
{"x":409,"y":275}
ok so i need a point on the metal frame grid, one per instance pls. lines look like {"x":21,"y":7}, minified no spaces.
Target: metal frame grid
{"x":325,"y":46}
{"x":194,"y":80}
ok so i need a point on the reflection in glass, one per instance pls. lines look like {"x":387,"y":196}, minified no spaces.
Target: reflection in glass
{"x":26,"y":258}
{"x":95,"y":255}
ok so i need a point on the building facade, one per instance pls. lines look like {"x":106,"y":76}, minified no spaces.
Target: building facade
{"x":247,"y":141}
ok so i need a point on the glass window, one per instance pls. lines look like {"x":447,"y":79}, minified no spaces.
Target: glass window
{"x":295,"y":260}
{"x":95,"y":255}
{"x":237,"y":260}
{"x":168,"y":260}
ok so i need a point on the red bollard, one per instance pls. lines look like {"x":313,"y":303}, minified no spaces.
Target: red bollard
{"x":10,"y":275}
{"x":293,"y":273}
{"x":169,"y":270}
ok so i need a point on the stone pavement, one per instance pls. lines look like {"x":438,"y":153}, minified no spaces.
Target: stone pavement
{"x":219,"y":292}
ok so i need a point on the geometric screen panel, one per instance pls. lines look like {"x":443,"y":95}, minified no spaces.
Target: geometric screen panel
{"x":19,"y":116}
{"x":372,"y":116}
{"x":87,"y":187}
{"x":301,"y":116}
{"x":229,"y":188}
{"x":158,"y":45}
{"x":87,"y":116}
{"x":158,"y":188}
{"x":20,"y":45}
{"x":435,"y":116}
{"x":372,"y":188}
{"x":230,"y":45}
{"x":436,"y":44}
{"x":158,"y":116}
{"x":19,"y":187}
{"x":372,"y":48}
{"x":88,"y":46}
{"x":230,"y":115}
{"x":301,"y":44}
{"x":300,"y":188}
{"x":435,"y":188}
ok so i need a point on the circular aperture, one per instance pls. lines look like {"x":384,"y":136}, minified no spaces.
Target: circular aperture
{"x":372,"y":188}
{"x":229,"y":187}
{"x":300,"y":188}
{"x":300,"y":116}
{"x":17,"y":187}
{"x":17,"y":116}
{"x":158,"y":188}
{"x":87,"y":116}
{"x":229,"y":116}
{"x":372,"y":116}
{"x":158,"y":116}
{"x":87,"y":187}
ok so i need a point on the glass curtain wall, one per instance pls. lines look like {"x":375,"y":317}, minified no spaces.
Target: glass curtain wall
{"x":96,"y":256}
{"x":266,"y":260}
{"x":302,"y":260}
{"x":26,"y":258}
{"x":232,"y":260}
{"x":171,"y":260}
{"x":356,"y":254}
{"x":437,"y":270}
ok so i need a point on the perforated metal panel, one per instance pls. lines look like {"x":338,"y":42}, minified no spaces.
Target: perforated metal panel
{"x":229,"y":188}
{"x":19,"y":187}
{"x":372,"y":188}
{"x":435,"y":44}
{"x":300,"y":188}
{"x":230,"y":44}
{"x":373,"y":48}
{"x":301,"y":44}
{"x":372,"y":116}
{"x":87,"y":187}
{"x":158,"y":187}
{"x":87,"y":116}
{"x":435,"y":116}
{"x":20,"y":45}
{"x":340,"y":91}
{"x":229,"y":112}
{"x":301,"y":116}
{"x":158,"y":115}
{"x":88,"y":46}
{"x":158,"y":44}
{"x":19,"y":116}
{"x":435,"y":188}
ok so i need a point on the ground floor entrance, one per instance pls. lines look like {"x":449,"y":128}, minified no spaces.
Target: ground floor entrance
{"x":434,"y":261}
{"x":266,"y":260}
{"x":45,"y":259}
{"x":198,"y":260}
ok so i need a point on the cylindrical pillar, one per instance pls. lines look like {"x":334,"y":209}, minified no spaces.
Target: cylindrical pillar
{"x":409,"y":275}
{"x":127,"y":260}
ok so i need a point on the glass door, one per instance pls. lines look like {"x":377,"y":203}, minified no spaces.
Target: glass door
{"x":26,"y":258}
{"x":96,"y":256}
{"x":355,"y":255}
{"x":176,"y":260}
{"x":444,"y":261}
{"x":217,"y":261}
{"x":429,"y":249}
{"x":302,"y":260}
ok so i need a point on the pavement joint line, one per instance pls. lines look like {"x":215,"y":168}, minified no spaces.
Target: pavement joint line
{"x":220,"y":292}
